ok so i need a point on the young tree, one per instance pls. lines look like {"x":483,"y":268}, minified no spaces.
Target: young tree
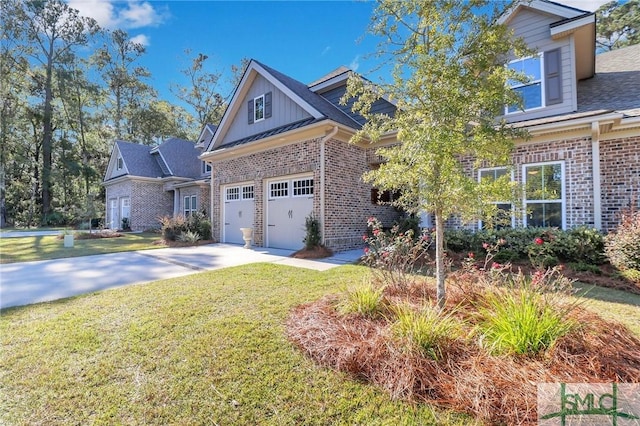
{"x":618,"y":24}
{"x":449,"y":85}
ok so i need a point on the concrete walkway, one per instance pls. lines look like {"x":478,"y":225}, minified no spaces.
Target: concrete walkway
{"x":46,"y":280}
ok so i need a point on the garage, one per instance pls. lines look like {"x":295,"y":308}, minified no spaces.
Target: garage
{"x":238,"y":211}
{"x":289,"y":202}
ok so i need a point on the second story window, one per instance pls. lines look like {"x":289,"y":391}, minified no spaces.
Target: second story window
{"x":258,"y":108}
{"x":531,"y":92}
{"x":206,"y":168}
{"x":120,"y":164}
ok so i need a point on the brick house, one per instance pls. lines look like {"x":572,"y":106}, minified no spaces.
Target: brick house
{"x":581,"y":164}
{"x":282,"y":153}
{"x":144,"y":183}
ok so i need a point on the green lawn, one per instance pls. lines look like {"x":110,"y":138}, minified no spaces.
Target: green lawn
{"x":207,"y":349}
{"x":613,"y":305}
{"x":204,"y":349}
{"x":25,"y":249}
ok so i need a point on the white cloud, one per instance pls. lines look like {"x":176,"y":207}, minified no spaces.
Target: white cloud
{"x":141,"y":39}
{"x":589,"y":5}
{"x":325,"y":51}
{"x":116,"y":14}
{"x":355,"y":63}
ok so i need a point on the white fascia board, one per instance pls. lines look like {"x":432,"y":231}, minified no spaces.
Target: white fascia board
{"x":542,"y":6}
{"x":337,"y":80}
{"x":165,"y":162}
{"x":573,"y":25}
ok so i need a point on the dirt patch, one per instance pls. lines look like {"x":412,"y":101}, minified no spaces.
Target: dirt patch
{"x":495,"y":389}
{"x":318,"y":252}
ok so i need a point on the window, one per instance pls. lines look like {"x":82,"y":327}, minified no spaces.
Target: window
{"x":279,"y":189}
{"x":531,"y":91}
{"x":544,"y":194}
{"x":206,"y":168}
{"x":302,"y":187}
{"x":120,"y":164}
{"x":504,"y":214}
{"x":247,"y":192}
{"x":190,"y":205}
{"x":258,"y":108}
{"x":233,"y":194}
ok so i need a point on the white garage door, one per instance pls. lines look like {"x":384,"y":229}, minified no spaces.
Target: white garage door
{"x":290,"y":201}
{"x":238,"y":212}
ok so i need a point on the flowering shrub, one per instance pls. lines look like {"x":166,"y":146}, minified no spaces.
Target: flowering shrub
{"x":623,"y":246}
{"x":540,"y":251}
{"x":395,"y":254}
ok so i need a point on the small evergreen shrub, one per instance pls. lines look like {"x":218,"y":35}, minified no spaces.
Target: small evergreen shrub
{"x":126,"y":225}
{"x":173,"y":227}
{"x":200,"y":224}
{"x":312,"y":238}
{"x":189,"y":237}
{"x":622,"y":247}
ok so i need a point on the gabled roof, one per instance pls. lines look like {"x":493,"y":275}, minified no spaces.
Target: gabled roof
{"x":318,"y":107}
{"x":546,"y":6}
{"x":174,"y":157}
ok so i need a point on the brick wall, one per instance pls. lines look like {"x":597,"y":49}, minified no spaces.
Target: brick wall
{"x":347,"y":198}
{"x":620,"y":177}
{"x":149,"y":202}
{"x":116,"y":192}
{"x":202,"y":193}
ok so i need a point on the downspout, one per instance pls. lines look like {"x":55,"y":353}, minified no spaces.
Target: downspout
{"x":595,"y":171}
{"x":323,"y":141}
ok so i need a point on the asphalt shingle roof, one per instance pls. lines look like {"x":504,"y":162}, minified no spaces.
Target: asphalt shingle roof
{"x":616,"y":85}
{"x":181,"y":159}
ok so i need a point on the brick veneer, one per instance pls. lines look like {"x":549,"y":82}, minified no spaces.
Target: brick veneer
{"x":620,"y":177}
{"x":347,"y":198}
{"x":149,"y":201}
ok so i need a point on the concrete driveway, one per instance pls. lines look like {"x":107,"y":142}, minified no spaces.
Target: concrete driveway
{"x":46,"y":280}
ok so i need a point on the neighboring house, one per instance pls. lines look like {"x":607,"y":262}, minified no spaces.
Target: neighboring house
{"x":281,"y":153}
{"x":145,"y":183}
{"x":581,"y":164}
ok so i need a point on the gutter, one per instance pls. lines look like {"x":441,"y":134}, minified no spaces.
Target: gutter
{"x":323,"y":142}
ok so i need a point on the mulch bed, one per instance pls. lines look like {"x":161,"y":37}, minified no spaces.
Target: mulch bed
{"x":94,"y":235}
{"x":317,"y":252}
{"x":495,"y":389}
{"x":182,"y":244}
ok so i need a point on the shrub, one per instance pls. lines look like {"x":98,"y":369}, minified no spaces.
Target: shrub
{"x":522,"y":321}
{"x":632,"y":275}
{"x":622,"y":247}
{"x":189,"y":237}
{"x":428,"y":329}
{"x":581,"y":244}
{"x":394,"y":254}
{"x":312,"y":237}
{"x":366,"y":300}
{"x":173,"y":227}
{"x":126,"y":225}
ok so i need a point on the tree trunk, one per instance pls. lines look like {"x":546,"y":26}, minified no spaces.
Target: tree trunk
{"x":440,"y":272}
{"x":47,"y":138}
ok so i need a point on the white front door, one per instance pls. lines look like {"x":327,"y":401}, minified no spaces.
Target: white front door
{"x":125,"y":211}
{"x":113,"y":214}
{"x":238,"y":211}
{"x":289,"y":203}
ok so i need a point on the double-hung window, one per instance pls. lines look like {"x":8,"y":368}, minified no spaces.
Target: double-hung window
{"x":544,"y":187}
{"x":258,"y":108}
{"x":504,"y":209}
{"x":119,"y":163}
{"x":190,"y":205}
{"x":531,"y":91}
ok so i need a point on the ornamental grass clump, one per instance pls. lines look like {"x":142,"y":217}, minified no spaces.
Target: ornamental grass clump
{"x":366,"y":300}
{"x":521,"y":321}
{"x":428,"y":329}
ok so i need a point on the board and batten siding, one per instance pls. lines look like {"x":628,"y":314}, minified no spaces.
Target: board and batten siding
{"x":284,"y":111}
{"x":534,"y":28}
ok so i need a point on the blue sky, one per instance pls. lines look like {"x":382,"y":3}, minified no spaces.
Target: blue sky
{"x":303,"y":39}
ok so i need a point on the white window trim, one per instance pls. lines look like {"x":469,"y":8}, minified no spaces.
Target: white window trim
{"x":562,"y":200}
{"x":192,"y":199}
{"x":543,"y":100}
{"x":206,"y":168}
{"x":293,"y":195}
{"x":255,"y":110}
{"x":487,"y":169}
{"x":119,"y":163}
{"x":226,"y":193}
{"x":288,"y":182}
{"x":253,"y":191}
